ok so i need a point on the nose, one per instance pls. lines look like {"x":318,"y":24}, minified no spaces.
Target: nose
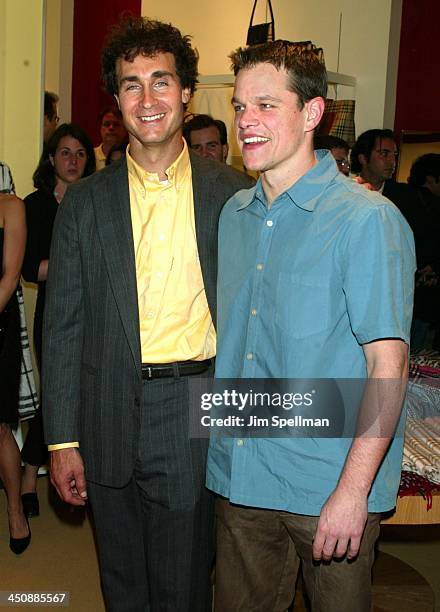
{"x":205,"y":152}
{"x":247,"y":117}
{"x":148,"y":99}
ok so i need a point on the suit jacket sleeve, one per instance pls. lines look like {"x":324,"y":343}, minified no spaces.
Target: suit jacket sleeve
{"x":63,"y":329}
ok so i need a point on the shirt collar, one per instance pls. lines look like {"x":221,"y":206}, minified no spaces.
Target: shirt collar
{"x":307,"y":190}
{"x":175,"y":173}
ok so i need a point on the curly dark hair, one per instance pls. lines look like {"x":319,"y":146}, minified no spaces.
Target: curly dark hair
{"x":44,"y":176}
{"x":307,"y":73}
{"x":134,"y":36}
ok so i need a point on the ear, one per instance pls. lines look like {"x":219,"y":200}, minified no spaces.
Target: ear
{"x":116,"y":97}
{"x":314,"y":111}
{"x":225,"y":149}
{"x":186,"y":95}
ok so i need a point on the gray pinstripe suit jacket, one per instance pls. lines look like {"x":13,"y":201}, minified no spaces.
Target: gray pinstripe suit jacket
{"x":91,"y":341}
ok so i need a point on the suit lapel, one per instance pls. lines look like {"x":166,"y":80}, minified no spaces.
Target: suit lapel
{"x":206,"y":220}
{"x":112,"y":208}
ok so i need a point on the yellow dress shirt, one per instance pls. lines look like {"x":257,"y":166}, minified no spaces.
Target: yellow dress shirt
{"x":175,"y":322}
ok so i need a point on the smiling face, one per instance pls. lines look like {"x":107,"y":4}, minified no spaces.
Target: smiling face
{"x":206,"y":142}
{"x":151,"y":100}
{"x":273,"y":132}
{"x":69,"y":160}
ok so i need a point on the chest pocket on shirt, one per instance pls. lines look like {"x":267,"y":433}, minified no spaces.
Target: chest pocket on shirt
{"x":302,"y":304}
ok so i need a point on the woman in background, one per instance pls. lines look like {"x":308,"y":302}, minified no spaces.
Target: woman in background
{"x":12,"y":245}
{"x":67,"y":157}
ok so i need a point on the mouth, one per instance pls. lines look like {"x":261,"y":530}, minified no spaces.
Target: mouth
{"x":251,"y":140}
{"x":149,"y":118}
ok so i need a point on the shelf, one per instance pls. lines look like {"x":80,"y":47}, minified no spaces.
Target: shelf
{"x":227,"y":80}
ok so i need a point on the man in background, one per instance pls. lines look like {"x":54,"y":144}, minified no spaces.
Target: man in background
{"x":338,"y":148}
{"x":51,"y":119}
{"x":373,"y":158}
{"x":425,"y":172}
{"x":207,"y":137}
{"x":113,"y":134}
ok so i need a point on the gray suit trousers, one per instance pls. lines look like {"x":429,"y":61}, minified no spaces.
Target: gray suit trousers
{"x":155,"y":535}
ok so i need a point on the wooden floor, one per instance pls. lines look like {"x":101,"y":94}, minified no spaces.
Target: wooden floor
{"x":62,"y":557}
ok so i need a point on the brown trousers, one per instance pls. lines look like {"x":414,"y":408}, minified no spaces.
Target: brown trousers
{"x":258,"y":557}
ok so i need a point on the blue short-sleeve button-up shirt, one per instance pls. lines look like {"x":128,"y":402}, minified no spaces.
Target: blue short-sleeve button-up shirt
{"x":302,"y":286}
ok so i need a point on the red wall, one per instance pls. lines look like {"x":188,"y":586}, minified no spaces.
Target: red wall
{"x":90,"y":26}
{"x":418,"y":85}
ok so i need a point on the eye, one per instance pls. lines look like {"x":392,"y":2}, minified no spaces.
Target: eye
{"x":161,"y":84}
{"x":238,"y":108}
{"x":131,"y":87}
{"x":266,"y":106}
{"x":81,"y":154}
{"x":64,"y":153}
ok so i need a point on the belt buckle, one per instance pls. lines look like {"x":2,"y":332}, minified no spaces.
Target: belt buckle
{"x":149,"y":372}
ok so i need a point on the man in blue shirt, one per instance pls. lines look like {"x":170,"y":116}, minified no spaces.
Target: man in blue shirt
{"x":315,"y":281}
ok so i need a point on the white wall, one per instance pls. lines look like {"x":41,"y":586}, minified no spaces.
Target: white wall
{"x":219,"y":27}
{"x":59,"y":54}
{"x":21,"y":49}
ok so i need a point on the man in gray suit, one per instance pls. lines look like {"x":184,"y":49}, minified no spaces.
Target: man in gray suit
{"x":129,"y":318}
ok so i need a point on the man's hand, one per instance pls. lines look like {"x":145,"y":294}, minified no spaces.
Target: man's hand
{"x":341,"y":525}
{"x":67,"y":475}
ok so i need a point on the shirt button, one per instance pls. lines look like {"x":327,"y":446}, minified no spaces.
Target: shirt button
{"x":250,"y":356}
{"x":269,"y":223}
{"x":159,"y":274}
{"x":161,"y":236}
{"x":254,"y":312}
{"x":259,"y":266}
{"x":240,"y":442}
{"x":150,"y":314}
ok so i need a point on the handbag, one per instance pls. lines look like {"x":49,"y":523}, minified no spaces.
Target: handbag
{"x":262,"y":32}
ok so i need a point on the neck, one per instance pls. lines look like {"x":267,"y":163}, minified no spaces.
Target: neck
{"x":106,"y":148}
{"x":60,"y":190}
{"x":280,"y":179}
{"x":374,"y":181}
{"x":156,"y":158}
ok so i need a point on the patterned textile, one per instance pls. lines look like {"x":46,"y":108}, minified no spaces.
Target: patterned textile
{"x":338,"y":120}
{"x":28,"y":397}
{"x":424,"y":363}
{"x":6,"y":182}
{"x":413,"y":484}
{"x":421,"y":453}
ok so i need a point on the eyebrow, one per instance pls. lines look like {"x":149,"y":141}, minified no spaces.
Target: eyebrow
{"x":69,"y":149}
{"x":157,"y":74}
{"x":261,"y":98}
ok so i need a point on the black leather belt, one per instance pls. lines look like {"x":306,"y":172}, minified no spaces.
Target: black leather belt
{"x":170,"y":370}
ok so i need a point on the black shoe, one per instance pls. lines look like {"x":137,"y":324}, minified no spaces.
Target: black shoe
{"x":31,"y":507}
{"x":19,"y":545}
